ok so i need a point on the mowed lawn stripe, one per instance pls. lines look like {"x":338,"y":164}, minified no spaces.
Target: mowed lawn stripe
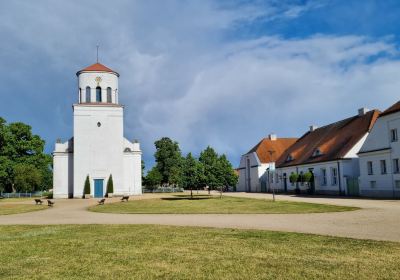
{"x":166,"y":252}
{"x":214,"y":205}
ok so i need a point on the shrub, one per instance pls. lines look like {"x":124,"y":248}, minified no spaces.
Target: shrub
{"x":293,"y":177}
{"x":86,"y":189}
{"x":48,"y":195}
{"x":110,"y":185}
{"x":307,"y":177}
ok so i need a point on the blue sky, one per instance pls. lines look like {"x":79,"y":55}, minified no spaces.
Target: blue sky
{"x":219,"y":73}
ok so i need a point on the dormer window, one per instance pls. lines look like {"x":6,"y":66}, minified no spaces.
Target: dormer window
{"x":289,"y":158}
{"x":317,"y":153}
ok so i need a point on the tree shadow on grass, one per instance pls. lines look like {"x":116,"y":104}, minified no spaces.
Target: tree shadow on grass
{"x":187,"y":198}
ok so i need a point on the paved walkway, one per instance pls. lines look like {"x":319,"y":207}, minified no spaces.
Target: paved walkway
{"x":378,"y":219}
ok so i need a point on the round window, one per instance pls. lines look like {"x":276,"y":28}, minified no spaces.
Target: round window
{"x":99,"y":124}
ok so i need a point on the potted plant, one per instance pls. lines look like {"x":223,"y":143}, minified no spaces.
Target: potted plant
{"x":294,"y":178}
{"x":308,"y":178}
{"x":110,"y":187}
{"x":86,"y":189}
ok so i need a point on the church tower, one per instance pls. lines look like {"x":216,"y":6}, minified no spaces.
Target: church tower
{"x":98,"y":148}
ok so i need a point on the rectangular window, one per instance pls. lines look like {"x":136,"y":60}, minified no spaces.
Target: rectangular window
{"x":397,"y":184}
{"x":393,"y":135}
{"x":383,"y":167}
{"x":370,"y":168}
{"x":396,"y":165}
{"x":372,"y":184}
{"x":323,"y":177}
{"x":276,"y":177}
{"x":334,"y":176}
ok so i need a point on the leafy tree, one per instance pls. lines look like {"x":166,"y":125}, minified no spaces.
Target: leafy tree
{"x":192,"y":173}
{"x":27,"y":177}
{"x":226,"y":174}
{"x":21,"y":151}
{"x":209,"y":159}
{"x":168,"y":161}
{"x":86,"y":189}
{"x":110,"y":185}
{"x":153,"y":178}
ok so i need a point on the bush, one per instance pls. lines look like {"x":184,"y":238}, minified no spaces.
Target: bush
{"x":293,"y":177}
{"x":110,"y":185}
{"x":86,"y":189}
{"x":307,"y":177}
{"x":48,"y":195}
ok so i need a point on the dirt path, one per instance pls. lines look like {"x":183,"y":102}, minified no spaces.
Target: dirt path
{"x":378,"y":219}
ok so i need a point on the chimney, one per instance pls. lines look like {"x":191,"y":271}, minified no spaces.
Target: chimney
{"x":362,"y":111}
{"x":313,"y":127}
{"x":272,"y":137}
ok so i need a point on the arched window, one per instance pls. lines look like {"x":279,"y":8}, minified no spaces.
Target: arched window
{"x":109,"y":99}
{"x":87,"y":94}
{"x":98,"y":94}
{"x":80,"y":95}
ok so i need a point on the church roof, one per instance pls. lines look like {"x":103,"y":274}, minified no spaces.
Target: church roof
{"x":97,"y":67}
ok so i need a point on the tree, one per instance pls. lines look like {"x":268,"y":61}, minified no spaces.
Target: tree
{"x":226,"y":174}
{"x":110,"y":185}
{"x":27,"y":177}
{"x":168,"y":161}
{"x":86,"y":189}
{"x":153,"y":178}
{"x":209,"y":159}
{"x":21,"y":151}
{"x":192,"y":173}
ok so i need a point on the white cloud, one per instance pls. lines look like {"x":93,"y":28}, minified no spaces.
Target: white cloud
{"x":181,"y":77}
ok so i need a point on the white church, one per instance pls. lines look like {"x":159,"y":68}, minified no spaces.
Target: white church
{"x":98,"y":148}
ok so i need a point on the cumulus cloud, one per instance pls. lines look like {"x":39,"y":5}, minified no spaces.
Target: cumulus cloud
{"x":183,"y":75}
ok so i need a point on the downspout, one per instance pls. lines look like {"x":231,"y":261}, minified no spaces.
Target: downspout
{"x":339,"y":178}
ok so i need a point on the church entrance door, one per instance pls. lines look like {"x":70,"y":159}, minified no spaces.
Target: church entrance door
{"x":98,"y":188}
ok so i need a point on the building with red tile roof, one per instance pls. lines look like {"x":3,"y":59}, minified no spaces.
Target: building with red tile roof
{"x":380,"y":156}
{"x":255,"y":163}
{"x":328,"y":154}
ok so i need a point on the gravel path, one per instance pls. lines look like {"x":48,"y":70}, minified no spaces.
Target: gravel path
{"x":378,"y":219}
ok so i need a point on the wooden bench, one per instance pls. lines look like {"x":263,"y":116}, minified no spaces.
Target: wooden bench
{"x":125,"y":198}
{"x":50,"y":203}
{"x":38,"y":201}
{"x":101,"y":201}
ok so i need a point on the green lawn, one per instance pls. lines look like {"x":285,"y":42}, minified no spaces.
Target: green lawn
{"x":166,"y":252}
{"x":181,"y":204}
{"x":16,"y":208}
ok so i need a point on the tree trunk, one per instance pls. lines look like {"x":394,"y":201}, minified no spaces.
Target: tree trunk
{"x":191,"y":192}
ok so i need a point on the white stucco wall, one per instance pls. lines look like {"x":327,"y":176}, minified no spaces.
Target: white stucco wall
{"x":62,"y":170}
{"x":377,"y":147}
{"x":257,"y":171}
{"x":88,"y":79}
{"x":97,"y":149}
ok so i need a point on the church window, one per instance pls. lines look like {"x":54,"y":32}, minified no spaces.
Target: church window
{"x":87,"y":94}
{"x":98,"y":94}
{"x":109,"y":100}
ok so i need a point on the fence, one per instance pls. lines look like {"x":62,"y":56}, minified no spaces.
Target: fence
{"x":18,"y":195}
{"x":163,"y":190}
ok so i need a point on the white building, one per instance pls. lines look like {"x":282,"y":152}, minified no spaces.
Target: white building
{"x":98,"y":148}
{"x":329,"y":153}
{"x":255,"y":164}
{"x":380,"y":156}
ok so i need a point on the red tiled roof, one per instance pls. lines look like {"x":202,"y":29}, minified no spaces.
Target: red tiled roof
{"x":333,"y":141}
{"x":392,"y":109}
{"x":278,"y":146}
{"x":97,"y":67}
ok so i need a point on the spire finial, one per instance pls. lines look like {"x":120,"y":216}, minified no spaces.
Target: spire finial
{"x":97,"y":57}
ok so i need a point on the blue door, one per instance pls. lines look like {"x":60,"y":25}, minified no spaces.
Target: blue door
{"x":98,"y":187}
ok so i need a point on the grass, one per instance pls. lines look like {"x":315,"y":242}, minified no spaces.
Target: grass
{"x":166,"y":252}
{"x":182,"y":204}
{"x":15,"y":208}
